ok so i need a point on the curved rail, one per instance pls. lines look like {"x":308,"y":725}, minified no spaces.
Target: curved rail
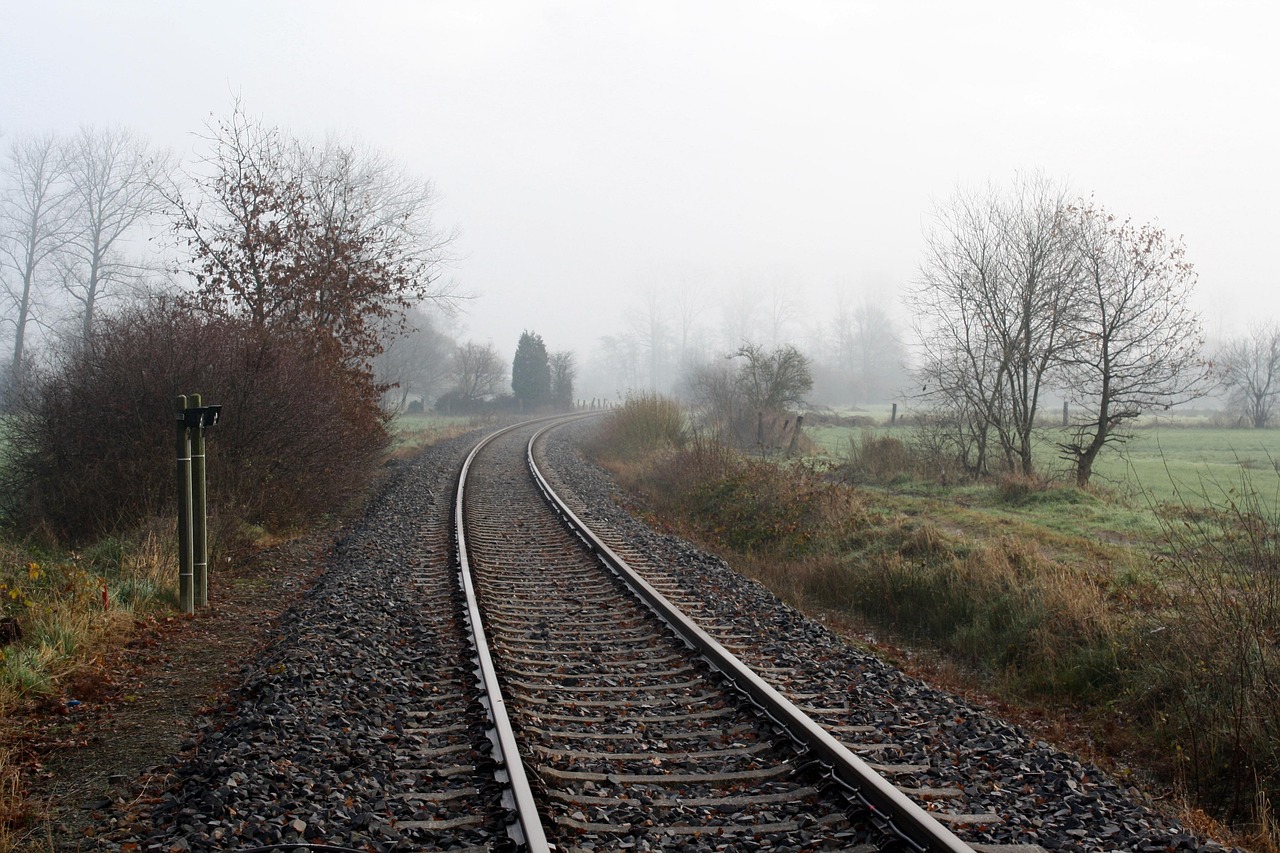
{"x":531,"y":832}
{"x":888,"y":806}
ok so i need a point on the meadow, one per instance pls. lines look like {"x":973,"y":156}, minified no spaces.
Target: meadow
{"x":1169,"y":461}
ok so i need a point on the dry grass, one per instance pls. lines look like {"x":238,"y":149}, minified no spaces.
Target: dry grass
{"x":13,"y":806}
{"x":646,"y":423}
{"x":68,"y":608}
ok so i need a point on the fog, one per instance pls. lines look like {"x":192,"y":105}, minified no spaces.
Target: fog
{"x":599,"y":159}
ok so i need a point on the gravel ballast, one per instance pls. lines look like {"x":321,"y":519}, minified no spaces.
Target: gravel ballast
{"x":313,"y":746}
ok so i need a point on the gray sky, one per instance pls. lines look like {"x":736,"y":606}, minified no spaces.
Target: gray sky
{"x":594,"y":152}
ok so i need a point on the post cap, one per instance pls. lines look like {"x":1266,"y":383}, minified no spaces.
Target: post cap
{"x":201,"y":416}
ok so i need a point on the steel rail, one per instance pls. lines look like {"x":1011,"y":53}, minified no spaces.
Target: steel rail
{"x":533,"y":835}
{"x":886,"y":802}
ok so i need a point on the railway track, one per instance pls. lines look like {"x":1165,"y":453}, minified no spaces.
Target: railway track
{"x":376,"y":721}
{"x":630,"y":725}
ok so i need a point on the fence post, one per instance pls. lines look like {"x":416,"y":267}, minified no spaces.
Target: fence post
{"x":1066,"y":420}
{"x":199,"y":512}
{"x":893,"y":416}
{"x":186,"y":597}
{"x":795,"y":437}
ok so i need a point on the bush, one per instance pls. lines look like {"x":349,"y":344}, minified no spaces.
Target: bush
{"x":879,"y":460}
{"x":91,"y":443}
{"x":645,"y":423}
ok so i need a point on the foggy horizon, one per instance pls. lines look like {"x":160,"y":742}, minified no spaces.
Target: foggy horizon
{"x":594,"y":157}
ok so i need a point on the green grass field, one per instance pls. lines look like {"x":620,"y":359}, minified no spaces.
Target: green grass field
{"x":1167,"y":463}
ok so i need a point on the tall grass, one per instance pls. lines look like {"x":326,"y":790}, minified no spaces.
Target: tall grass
{"x":67,"y":608}
{"x":1002,"y":606}
{"x":62,"y":606}
{"x":1211,"y":686}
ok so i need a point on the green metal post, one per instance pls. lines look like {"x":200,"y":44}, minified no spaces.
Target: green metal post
{"x":199,"y":513}
{"x":186,"y":597}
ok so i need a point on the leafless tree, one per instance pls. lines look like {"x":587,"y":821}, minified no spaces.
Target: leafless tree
{"x":784,"y":311}
{"x":771,"y":381}
{"x":996,"y":287}
{"x":648,"y":328}
{"x":741,"y":311}
{"x":329,"y":241}
{"x":687,"y":302}
{"x":1133,"y":341}
{"x":712,"y":388}
{"x":1249,"y":368}
{"x":735,"y":396}
{"x":359,"y":196}
{"x":564,"y":370}
{"x":115,"y":183}
{"x":35,"y":223}
{"x":618,"y":358}
{"x":416,"y":362}
{"x":869,"y":358}
{"x":478,"y":371}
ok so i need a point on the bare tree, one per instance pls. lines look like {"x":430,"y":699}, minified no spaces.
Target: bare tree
{"x":784,"y":311}
{"x":418,"y":362}
{"x":618,"y":358}
{"x":712,"y":388}
{"x":359,"y":197}
{"x":114,"y":178}
{"x":649,"y":330}
{"x":331,"y":242}
{"x":35,"y":217}
{"x":1133,"y":342}
{"x":687,"y":302}
{"x":740,"y":314}
{"x":748,"y":390}
{"x":564,"y":370}
{"x":1249,"y":368}
{"x":772,"y":381}
{"x":996,"y":287}
{"x":478,"y":371}
{"x":870,"y":361}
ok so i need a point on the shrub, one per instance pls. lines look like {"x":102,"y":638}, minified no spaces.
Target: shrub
{"x":645,"y":423}
{"x":879,"y":460}
{"x":91,"y":444}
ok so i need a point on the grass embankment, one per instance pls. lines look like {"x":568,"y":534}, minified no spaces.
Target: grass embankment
{"x":1158,"y":627}
{"x":58,"y":612}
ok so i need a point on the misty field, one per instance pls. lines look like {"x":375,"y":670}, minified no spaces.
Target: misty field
{"x":1161,"y":464}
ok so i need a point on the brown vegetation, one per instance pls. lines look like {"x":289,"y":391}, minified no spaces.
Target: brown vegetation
{"x":91,"y":445}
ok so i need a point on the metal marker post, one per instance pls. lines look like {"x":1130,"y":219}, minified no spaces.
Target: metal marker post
{"x":186,"y":597}
{"x":199,"y":513}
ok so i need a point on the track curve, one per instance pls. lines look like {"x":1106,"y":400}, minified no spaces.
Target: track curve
{"x":627,"y":728}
